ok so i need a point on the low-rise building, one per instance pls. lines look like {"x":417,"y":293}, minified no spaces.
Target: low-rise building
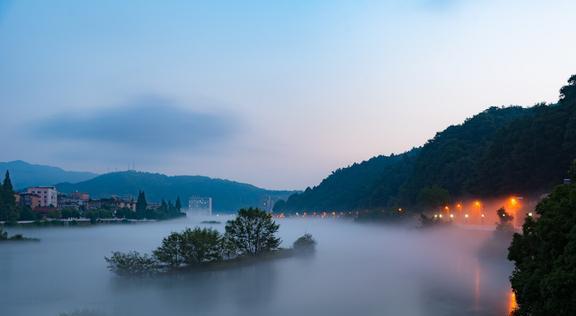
{"x":75,"y":201}
{"x":48,"y":195}
{"x":29,"y":199}
{"x":113,"y":203}
{"x":80,"y":196}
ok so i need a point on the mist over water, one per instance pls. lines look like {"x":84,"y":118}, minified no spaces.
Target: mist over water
{"x":356,"y":270}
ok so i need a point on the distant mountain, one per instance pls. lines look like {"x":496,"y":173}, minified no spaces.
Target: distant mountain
{"x":227,"y":196}
{"x":24,"y":174}
{"x":508,"y":150}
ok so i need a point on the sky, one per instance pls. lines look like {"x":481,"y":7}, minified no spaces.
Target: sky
{"x":273,"y":93}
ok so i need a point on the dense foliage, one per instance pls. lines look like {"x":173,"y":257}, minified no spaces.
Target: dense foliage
{"x":9,"y":211}
{"x":305,"y":243}
{"x":190,"y":247}
{"x":132,"y":263}
{"x":544,"y":277}
{"x":227,"y":195}
{"x":252,"y":232}
{"x":499,"y":151}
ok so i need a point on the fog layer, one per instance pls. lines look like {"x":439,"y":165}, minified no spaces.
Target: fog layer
{"x":356,"y":270}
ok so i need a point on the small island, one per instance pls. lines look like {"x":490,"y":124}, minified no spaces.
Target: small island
{"x":18,"y":237}
{"x":251,"y":236}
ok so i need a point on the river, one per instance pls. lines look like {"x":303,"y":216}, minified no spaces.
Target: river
{"x":358,"y":269}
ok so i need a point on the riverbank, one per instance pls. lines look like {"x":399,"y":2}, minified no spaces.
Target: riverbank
{"x":76,"y":222}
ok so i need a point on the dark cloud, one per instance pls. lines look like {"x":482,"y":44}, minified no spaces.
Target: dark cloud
{"x":145,"y":124}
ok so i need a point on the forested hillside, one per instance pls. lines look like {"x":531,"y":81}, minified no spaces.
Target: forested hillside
{"x":25,"y":174}
{"x":228,"y":196}
{"x":499,"y":151}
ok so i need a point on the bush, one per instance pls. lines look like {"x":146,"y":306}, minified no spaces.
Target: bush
{"x":170,"y":252}
{"x":305,"y":243}
{"x":201,"y":245}
{"x":54,"y":214}
{"x":190,"y":247}
{"x":70,"y":213}
{"x":132,"y":263}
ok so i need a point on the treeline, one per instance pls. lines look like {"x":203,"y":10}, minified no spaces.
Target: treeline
{"x":10,"y":211}
{"x":166,"y":210}
{"x":226,"y":195}
{"x":508,"y":150}
{"x":251,"y":234}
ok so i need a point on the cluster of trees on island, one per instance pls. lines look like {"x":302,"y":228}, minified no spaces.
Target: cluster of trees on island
{"x":251,"y":234}
{"x":18,"y":237}
{"x":498,"y":152}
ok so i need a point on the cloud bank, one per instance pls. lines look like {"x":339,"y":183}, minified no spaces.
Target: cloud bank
{"x":147,"y":123}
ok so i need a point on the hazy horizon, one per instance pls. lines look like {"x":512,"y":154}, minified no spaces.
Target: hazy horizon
{"x":272,"y":94}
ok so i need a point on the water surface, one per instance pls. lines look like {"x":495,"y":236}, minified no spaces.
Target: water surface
{"x":357,"y":270}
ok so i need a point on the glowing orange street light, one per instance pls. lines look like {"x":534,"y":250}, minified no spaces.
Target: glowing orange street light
{"x":514,"y":206}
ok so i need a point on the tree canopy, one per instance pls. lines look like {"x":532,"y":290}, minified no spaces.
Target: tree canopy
{"x":252,"y":232}
{"x":544,"y":255}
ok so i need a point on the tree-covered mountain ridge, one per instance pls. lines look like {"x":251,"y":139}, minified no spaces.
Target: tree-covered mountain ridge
{"x":227,"y":195}
{"x":25,"y":174}
{"x":502,"y":150}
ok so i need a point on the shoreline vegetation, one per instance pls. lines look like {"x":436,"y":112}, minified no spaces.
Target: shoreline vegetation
{"x":14,"y":213}
{"x":18,"y":237}
{"x":544,"y":254}
{"x":249,"y":238}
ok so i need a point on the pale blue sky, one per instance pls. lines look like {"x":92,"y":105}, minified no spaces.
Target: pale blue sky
{"x":274,"y":93}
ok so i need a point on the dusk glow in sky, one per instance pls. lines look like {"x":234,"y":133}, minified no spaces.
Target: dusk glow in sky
{"x":274,"y":93}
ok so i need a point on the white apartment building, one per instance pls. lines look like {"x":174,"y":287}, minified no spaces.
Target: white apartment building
{"x":48,"y":195}
{"x":200,"y":206}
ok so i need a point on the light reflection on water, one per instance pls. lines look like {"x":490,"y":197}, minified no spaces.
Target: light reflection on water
{"x":357,"y":269}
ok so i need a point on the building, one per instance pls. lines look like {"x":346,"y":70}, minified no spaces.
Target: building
{"x":200,"y":205}
{"x":48,"y":196}
{"x":267,"y":203}
{"x":74,"y":201}
{"x":112,"y":203}
{"x":29,"y":199}
{"x":80,"y":196}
